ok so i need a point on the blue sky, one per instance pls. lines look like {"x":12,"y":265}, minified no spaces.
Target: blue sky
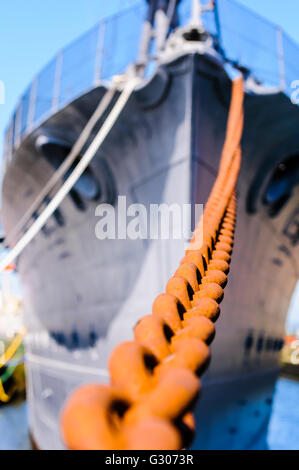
{"x":31,"y":33}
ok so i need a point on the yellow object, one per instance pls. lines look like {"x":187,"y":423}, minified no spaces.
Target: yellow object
{"x":3,"y":396}
{"x":13,"y":347}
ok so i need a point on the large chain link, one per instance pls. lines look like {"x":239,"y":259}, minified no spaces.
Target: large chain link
{"x":154,"y":379}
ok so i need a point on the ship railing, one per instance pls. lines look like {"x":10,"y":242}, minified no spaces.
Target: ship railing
{"x":244,"y":37}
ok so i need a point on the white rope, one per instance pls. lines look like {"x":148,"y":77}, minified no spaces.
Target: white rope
{"x":171,"y":11}
{"x":74,"y":176}
{"x":77,"y":148}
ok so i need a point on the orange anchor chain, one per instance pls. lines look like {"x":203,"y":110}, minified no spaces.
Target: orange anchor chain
{"x":154,"y":379}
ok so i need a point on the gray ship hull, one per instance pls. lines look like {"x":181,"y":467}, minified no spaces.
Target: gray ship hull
{"x":83,"y":296}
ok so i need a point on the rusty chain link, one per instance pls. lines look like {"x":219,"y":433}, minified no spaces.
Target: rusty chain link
{"x":154,"y":379}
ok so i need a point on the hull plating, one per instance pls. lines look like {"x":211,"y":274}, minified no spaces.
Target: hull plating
{"x":83,"y":296}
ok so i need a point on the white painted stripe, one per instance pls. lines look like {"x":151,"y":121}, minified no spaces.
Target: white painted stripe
{"x":61,"y":365}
